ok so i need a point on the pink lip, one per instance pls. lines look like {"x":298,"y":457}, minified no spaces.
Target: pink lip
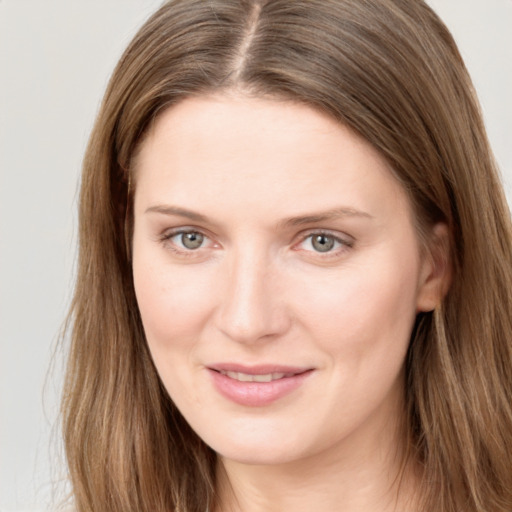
{"x":256,"y":394}
{"x":260,"y":369}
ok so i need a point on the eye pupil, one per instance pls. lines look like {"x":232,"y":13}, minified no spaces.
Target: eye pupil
{"x":192,"y":240}
{"x":322,"y":243}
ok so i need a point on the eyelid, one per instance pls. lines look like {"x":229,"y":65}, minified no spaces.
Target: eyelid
{"x":346,"y":241}
{"x":166,"y":236}
{"x":170,"y":232}
{"x":342,"y":237}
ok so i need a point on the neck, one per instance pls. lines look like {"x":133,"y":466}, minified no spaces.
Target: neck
{"x":366,"y":472}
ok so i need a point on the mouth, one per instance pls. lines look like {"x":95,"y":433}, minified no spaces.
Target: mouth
{"x":257,"y":385}
{"x":248,"y":377}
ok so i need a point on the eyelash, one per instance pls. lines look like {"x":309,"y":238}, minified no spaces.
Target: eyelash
{"x":166,"y":239}
{"x":343,"y":244}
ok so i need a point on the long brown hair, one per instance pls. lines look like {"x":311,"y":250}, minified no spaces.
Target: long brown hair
{"x":388,"y":69}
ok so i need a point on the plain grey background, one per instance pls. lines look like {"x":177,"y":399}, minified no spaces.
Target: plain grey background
{"x":55,"y":60}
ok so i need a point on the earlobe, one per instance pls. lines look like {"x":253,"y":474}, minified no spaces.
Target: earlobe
{"x":436,"y":271}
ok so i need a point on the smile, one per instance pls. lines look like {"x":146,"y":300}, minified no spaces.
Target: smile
{"x":257,"y":386}
{"x":247,"y":377}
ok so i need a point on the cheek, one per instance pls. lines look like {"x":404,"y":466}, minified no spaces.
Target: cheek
{"x":173,"y":302}
{"x":361,"y":321}
{"x":173,"y":307}
{"x":362,"y":314}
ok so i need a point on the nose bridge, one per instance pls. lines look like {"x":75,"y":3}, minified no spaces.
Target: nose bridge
{"x":251,"y":305}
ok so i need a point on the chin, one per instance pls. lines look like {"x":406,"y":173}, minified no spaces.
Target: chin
{"x":259,"y":456}
{"x":257,"y":446}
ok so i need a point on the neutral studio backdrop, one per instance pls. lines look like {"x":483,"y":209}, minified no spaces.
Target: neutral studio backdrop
{"x":55,"y":60}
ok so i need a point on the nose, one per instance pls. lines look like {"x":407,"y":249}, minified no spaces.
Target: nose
{"x":252,"y":305}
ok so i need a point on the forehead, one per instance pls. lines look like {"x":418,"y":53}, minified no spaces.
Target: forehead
{"x":259,"y":154}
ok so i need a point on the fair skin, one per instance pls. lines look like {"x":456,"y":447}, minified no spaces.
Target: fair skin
{"x":273,"y":244}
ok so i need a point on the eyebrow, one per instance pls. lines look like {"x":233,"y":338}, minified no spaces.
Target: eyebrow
{"x":333,"y":214}
{"x":177,"y":211}
{"x":312,"y":218}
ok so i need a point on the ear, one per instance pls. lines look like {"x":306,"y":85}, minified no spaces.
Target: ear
{"x":436,"y":269}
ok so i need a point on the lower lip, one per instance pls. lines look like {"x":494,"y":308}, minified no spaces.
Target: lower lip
{"x":256,"y":394}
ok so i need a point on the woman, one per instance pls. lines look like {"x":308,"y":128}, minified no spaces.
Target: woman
{"x":294,"y":286}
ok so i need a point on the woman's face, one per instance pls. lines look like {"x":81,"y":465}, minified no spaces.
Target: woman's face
{"x":278,"y":276}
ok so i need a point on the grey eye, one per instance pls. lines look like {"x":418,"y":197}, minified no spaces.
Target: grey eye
{"x":322,"y":243}
{"x":192,"y":240}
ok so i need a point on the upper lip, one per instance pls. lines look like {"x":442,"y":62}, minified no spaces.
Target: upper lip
{"x":260,"y":369}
